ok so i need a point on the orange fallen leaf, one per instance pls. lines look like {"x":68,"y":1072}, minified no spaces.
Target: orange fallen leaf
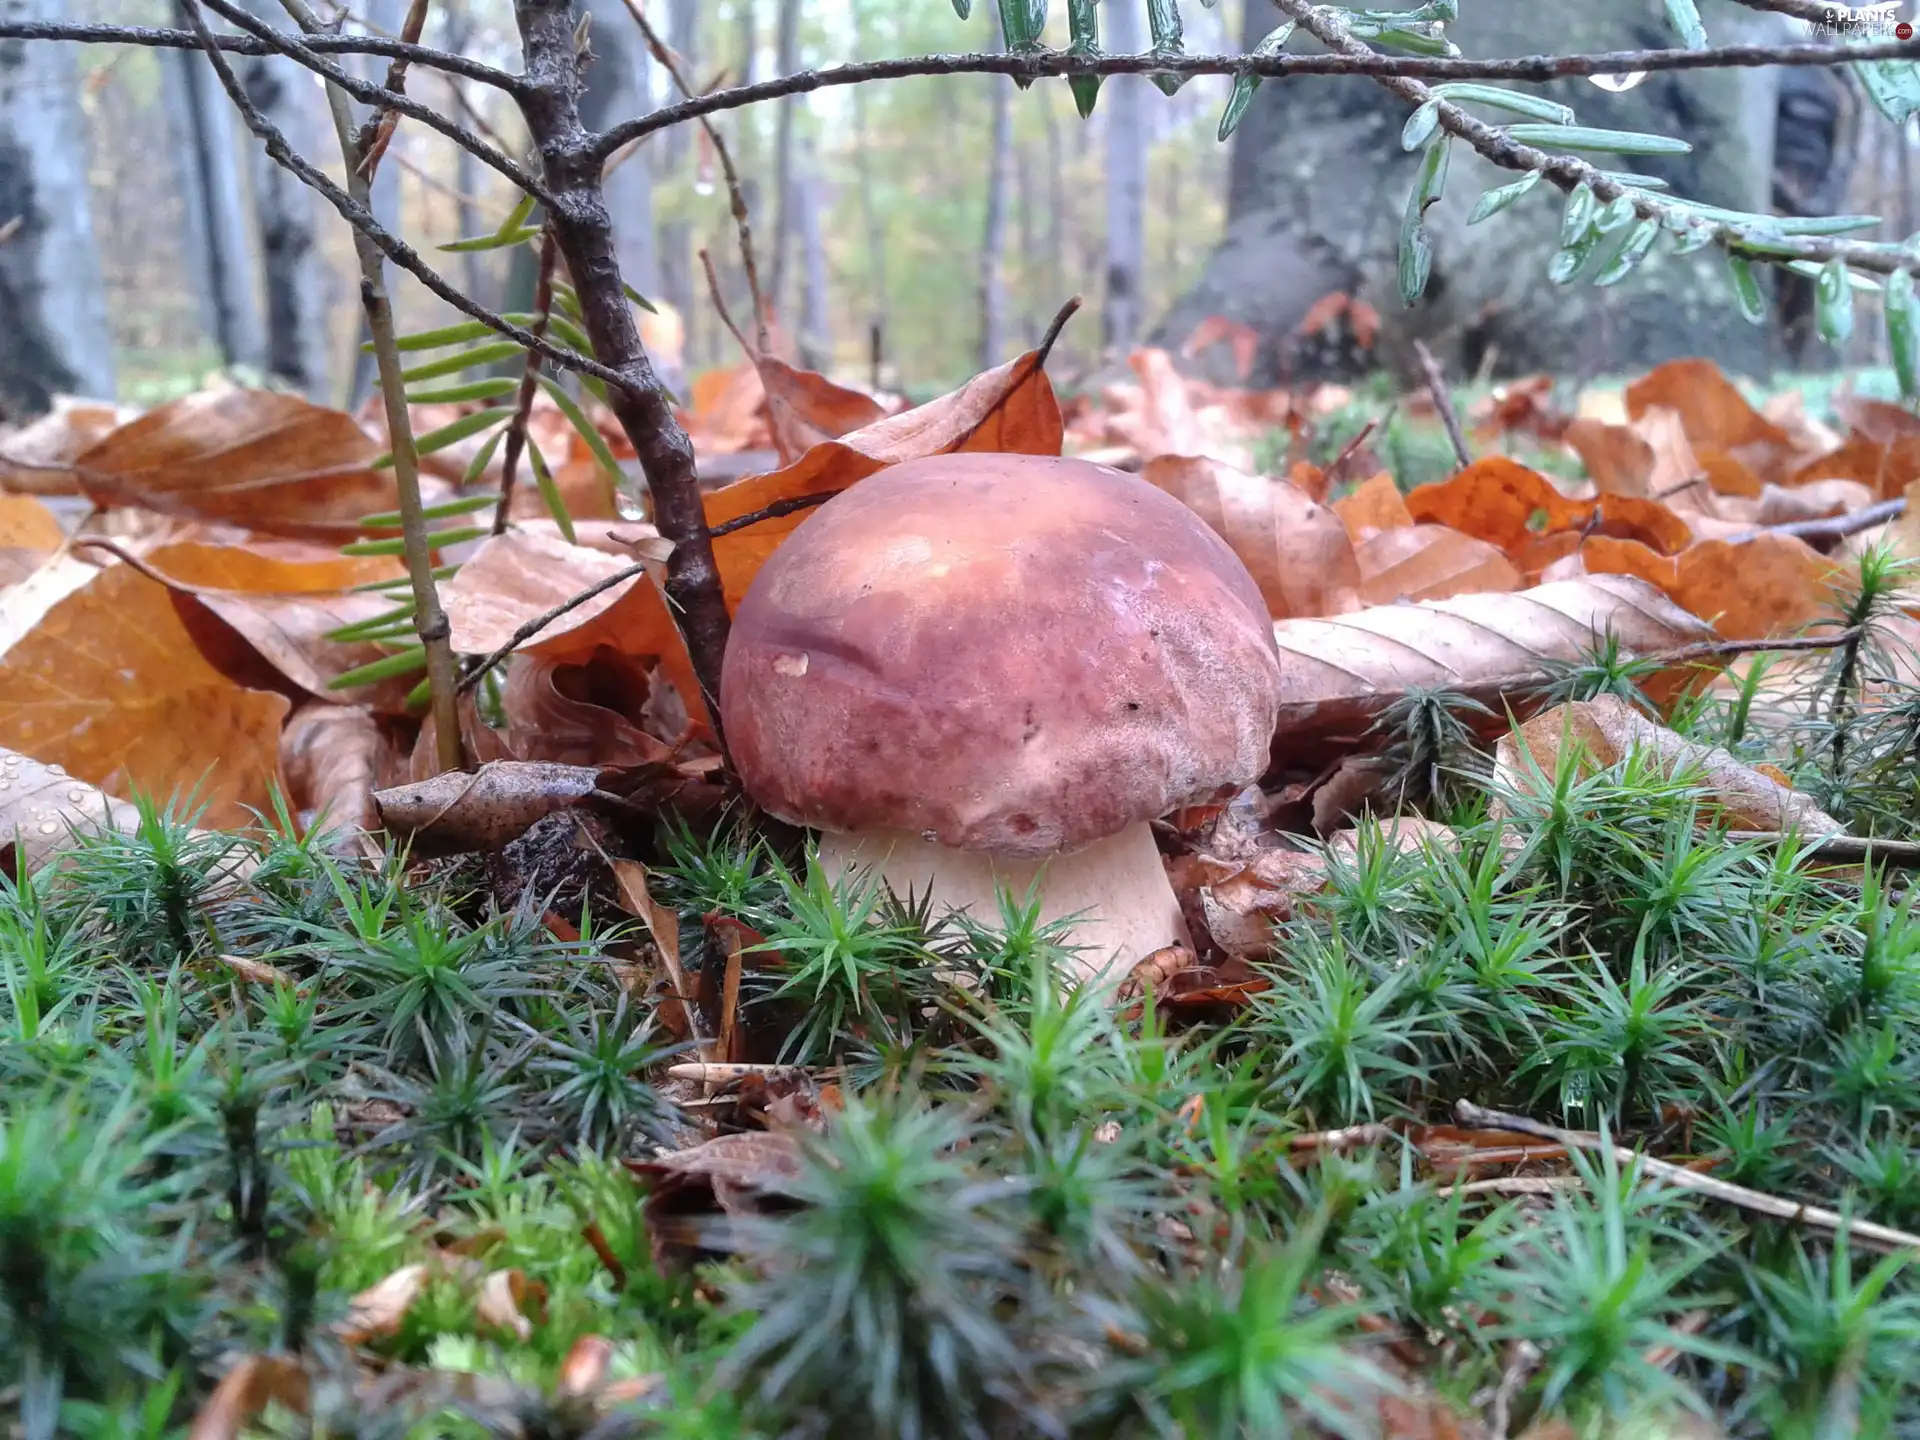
{"x":1009,"y":409}
{"x":99,"y":674}
{"x":1242,"y":340}
{"x":1886,"y":466}
{"x":727,"y":411}
{"x":587,"y":713}
{"x":1430,"y":562}
{"x":1297,"y":551}
{"x":379,"y":1311}
{"x":1497,"y":500}
{"x":244,"y":1393}
{"x":1713,"y":413}
{"x":266,"y":565}
{"x":26,"y":524}
{"x":256,"y":458}
{"x":1765,"y":588}
{"x":804,"y":407}
{"x":1618,"y":457}
{"x":1374,"y":504}
{"x":502,"y":1294}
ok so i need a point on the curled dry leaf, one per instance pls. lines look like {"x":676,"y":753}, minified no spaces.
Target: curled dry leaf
{"x":245,"y":1392}
{"x":1885,"y":464}
{"x":41,"y":806}
{"x":1602,"y":731}
{"x":582,"y":714}
{"x":219,"y":558}
{"x":502,"y":1295}
{"x":1339,"y":674}
{"x":331,"y":756}
{"x":1714,"y":414}
{"x":1242,"y":908}
{"x":37,"y":459}
{"x":804,"y":407}
{"x":256,"y":972}
{"x":1297,"y":551}
{"x":100,"y":675}
{"x":457,"y":812}
{"x":1242,"y":342}
{"x":1009,"y":409}
{"x":728,"y":412}
{"x":1506,"y":504}
{"x":256,"y":458}
{"x":728,"y":1175}
{"x":517,"y":577}
{"x":480,"y":744}
{"x":381,"y":1309}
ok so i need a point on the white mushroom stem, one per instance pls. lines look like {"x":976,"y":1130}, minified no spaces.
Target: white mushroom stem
{"x":1117,"y":886}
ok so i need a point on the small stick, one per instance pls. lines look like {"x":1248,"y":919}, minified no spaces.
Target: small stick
{"x":377,"y":133}
{"x":516,"y":440}
{"x":1865,"y":1231}
{"x":1832,"y":527}
{"x":1443,"y":402}
{"x":1842,"y":849}
{"x":773,"y":512}
{"x":1513,"y":1185}
{"x":736,"y":195}
{"x":1345,"y":1139}
{"x":720,"y":1072}
{"x":540,"y":622}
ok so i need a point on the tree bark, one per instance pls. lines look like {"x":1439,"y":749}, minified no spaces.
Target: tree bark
{"x":1124,"y":99}
{"x":54,"y":336}
{"x":993,"y":242}
{"x":219,"y":244}
{"x":294,"y":272}
{"x":785,"y":201}
{"x":1318,"y":184}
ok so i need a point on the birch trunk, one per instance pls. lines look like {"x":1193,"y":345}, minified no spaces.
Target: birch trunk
{"x":1124,"y":99}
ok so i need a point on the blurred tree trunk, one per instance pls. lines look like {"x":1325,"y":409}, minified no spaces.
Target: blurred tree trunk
{"x":466,"y":169}
{"x":676,"y":234}
{"x":993,"y":243}
{"x":1124,"y":99}
{"x":786,"y":61}
{"x":816,"y":321}
{"x":1318,"y":183}
{"x":54,"y":336}
{"x":876,"y":235}
{"x":1056,"y":248}
{"x":289,"y":214}
{"x":219,"y":244}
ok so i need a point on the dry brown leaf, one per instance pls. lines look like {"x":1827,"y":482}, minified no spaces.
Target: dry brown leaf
{"x":457,"y":812}
{"x":1618,"y":457}
{"x":480,"y":744}
{"x":502,"y":1294}
{"x":728,"y":411}
{"x":1815,"y":500}
{"x":1788,"y":410}
{"x":26,"y":524}
{"x":1430,"y":562}
{"x":331,"y":756}
{"x":516,"y":577}
{"x":1297,"y":551}
{"x":38,"y":458}
{"x":1904,"y":534}
{"x":1241,"y":909}
{"x":245,"y":1392}
{"x":1373,"y":505}
{"x":1010,"y":409}
{"x":100,"y":675}
{"x":267,"y":461}
{"x":1339,"y":674}
{"x":581,"y":714}
{"x":804,"y":407}
{"x":381,"y":1309}
{"x":1713,"y":414}
{"x":256,"y":972}
{"x":1497,"y":499}
{"x":41,"y":806}
{"x":1885,"y":464}
{"x":1242,"y":340}
{"x":223,"y":559}
{"x":1607,"y":728}
{"x":663,"y":927}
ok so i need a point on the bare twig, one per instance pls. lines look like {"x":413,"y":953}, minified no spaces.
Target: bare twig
{"x":377,"y":133}
{"x":429,"y":620}
{"x":736,"y":193}
{"x":296,"y":49}
{"x":150,"y":37}
{"x":1566,"y":172}
{"x":540,"y":622}
{"x":1832,"y":527}
{"x":1883,"y":1237}
{"x":1048,"y":63}
{"x":790,"y":506}
{"x":1443,"y":402}
{"x":516,"y":440}
{"x":720,"y":304}
{"x":1512,"y":1185}
{"x":584,"y":232}
{"x":1841,"y":849}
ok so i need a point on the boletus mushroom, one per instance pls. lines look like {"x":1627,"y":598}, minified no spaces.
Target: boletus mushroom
{"x":976,"y":669}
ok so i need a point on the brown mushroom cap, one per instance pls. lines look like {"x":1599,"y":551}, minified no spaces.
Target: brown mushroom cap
{"x":1003,"y":653}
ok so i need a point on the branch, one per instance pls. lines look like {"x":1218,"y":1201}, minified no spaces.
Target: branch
{"x":736,"y":194}
{"x":516,"y":440}
{"x":533,"y":627}
{"x":583,"y":229}
{"x":379,"y":96}
{"x":1363,"y":61}
{"x":1566,"y":173}
{"x":377,"y":133}
{"x":150,"y":37}
{"x":1833,"y":527}
{"x":430,"y":621}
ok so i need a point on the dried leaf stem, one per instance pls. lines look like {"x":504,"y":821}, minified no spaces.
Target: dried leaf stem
{"x":1883,"y":1237}
{"x":516,"y":440}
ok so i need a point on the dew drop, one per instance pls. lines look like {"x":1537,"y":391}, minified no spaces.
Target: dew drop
{"x":48,"y":827}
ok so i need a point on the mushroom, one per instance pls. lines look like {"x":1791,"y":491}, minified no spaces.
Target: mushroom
{"x":974,"y":670}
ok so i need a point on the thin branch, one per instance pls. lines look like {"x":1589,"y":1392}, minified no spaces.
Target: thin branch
{"x":791,"y":506}
{"x":1841,"y":849}
{"x":720,"y":304}
{"x":1566,"y":172}
{"x":583,"y":229}
{"x":478,"y":670}
{"x":1443,"y":402}
{"x":150,"y":37}
{"x":1832,"y":527}
{"x":377,"y":133}
{"x":1878,"y":1236}
{"x":736,"y":193}
{"x":430,"y":621}
{"x":1048,"y":63}
{"x":379,"y":96}
{"x":516,"y":440}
